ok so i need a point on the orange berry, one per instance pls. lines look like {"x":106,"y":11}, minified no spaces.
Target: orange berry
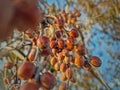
{"x":53,"y":44}
{"x":63,"y":86}
{"x":63,"y":77}
{"x":66,"y":59}
{"x":80,"y":49}
{"x":8,"y":65}
{"x":53,"y":60}
{"x":57,"y":66}
{"x":65,"y":52}
{"x":73,"y":33}
{"x":73,"y":20}
{"x":58,"y":25}
{"x":60,"y":57}
{"x":68,"y":73}
{"x":61,"y":43}
{"x":77,"y":13}
{"x":63,"y":67}
{"x":52,"y":39}
{"x":79,"y":61}
{"x":55,"y":51}
{"x":95,"y":61}
{"x":32,"y":55}
{"x":70,"y":43}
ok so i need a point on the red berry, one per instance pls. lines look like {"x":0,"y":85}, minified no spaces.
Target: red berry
{"x":29,"y":86}
{"x":47,"y":80}
{"x":73,"y":33}
{"x":43,"y":42}
{"x":61,"y":43}
{"x":26,"y":70}
{"x":58,"y":34}
{"x":79,"y":49}
{"x":45,"y":52}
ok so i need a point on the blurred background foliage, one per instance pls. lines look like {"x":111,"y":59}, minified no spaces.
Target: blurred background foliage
{"x":100,"y":24}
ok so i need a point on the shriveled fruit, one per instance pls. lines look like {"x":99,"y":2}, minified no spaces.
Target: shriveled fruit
{"x":63,"y":86}
{"x":79,"y":61}
{"x":95,"y":61}
{"x":29,"y":86}
{"x":47,"y":80}
{"x":26,"y":70}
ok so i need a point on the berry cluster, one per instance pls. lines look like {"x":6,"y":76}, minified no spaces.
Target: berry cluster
{"x":52,"y":53}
